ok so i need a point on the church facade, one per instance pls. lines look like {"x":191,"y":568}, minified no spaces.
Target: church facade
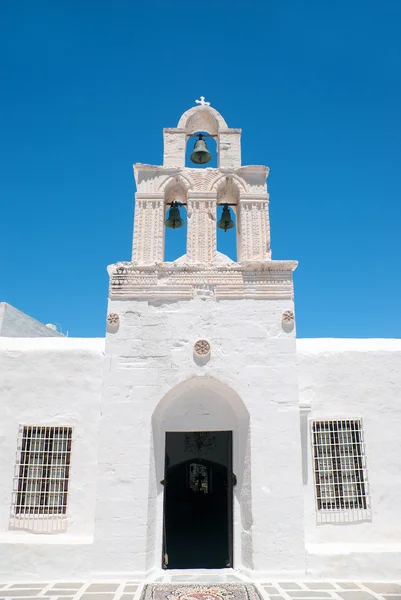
{"x":201,"y":433}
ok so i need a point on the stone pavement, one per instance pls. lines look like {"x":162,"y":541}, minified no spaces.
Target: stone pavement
{"x":131,"y":590}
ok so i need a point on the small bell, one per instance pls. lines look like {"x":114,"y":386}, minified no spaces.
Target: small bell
{"x":226,"y":221}
{"x":200,"y":155}
{"x":174,"y":220}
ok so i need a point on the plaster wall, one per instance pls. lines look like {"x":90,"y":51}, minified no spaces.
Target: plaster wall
{"x":249,"y":384}
{"x":50,"y":381}
{"x":350,"y":379}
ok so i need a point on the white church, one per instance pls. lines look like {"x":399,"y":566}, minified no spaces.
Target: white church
{"x":200,"y":433}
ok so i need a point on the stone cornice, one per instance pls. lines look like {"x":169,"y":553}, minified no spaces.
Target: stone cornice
{"x":267,"y":279}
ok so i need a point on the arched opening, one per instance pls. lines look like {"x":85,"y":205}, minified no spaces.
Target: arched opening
{"x":203,"y":121}
{"x":203,"y":423}
{"x":211,"y":146}
{"x":175,"y":237}
{"x":227,"y":196}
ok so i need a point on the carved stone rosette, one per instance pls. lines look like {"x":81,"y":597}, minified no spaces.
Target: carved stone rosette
{"x":113,"y":319}
{"x":288,"y":316}
{"x":288,"y":321}
{"x":202,"y":348}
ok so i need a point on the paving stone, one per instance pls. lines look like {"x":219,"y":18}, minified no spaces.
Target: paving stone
{"x":128,"y":596}
{"x":347,"y":585}
{"x":31,"y":586}
{"x":97,"y":596}
{"x":393,"y":597}
{"x":289,"y":585}
{"x":278,"y":597}
{"x":14,"y":593}
{"x":271,"y":590}
{"x":384,"y":588}
{"x":103,"y":587}
{"x":357,"y":595}
{"x":69,"y":585}
{"x":308,"y":594}
{"x":319,"y":585}
{"x":56,"y":592}
{"x":130,"y":588}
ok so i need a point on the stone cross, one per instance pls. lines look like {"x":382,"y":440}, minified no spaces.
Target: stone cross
{"x":202,"y":101}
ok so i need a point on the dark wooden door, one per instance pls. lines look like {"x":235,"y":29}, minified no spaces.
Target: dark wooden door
{"x":198,"y":500}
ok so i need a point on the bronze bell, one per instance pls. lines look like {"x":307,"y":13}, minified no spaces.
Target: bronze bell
{"x":226,"y":221}
{"x":174,"y":220}
{"x":200,"y":155}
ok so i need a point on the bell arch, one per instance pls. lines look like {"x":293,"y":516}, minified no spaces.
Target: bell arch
{"x":179,"y":180}
{"x":202,"y":119}
{"x":228,"y":191}
{"x":202,"y":403}
{"x":175,"y":190}
{"x":221,"y":179}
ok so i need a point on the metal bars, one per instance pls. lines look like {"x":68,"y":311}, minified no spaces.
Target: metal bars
{"x":42,"y":471}
{"x":339,"y":465}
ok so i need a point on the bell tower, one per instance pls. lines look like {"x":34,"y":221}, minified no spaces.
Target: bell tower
{"x":243,"y":188}
{"x":204,"y":344}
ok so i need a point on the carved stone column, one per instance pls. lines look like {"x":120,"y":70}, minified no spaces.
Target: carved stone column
{"x":148,"y":244}
{"x":201,"y":235}
{"x":254,"y":228}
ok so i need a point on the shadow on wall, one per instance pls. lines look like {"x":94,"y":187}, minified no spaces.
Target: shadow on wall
{"x":344,"y":517}
{"x":34,"y":523}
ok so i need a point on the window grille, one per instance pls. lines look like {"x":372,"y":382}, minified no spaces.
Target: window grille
{"x":42,"y":470}
{"x":339,"y":465}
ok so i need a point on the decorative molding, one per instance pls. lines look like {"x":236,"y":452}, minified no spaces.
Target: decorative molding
{"x":202,"y":348}
{"x":186,"y":280}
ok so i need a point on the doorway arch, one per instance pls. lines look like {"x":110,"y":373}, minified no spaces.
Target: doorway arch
{"x":195,"y":405}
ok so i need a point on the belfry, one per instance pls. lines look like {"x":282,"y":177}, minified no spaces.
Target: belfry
{"x":200,"y":441}
{"x":205,"y":352}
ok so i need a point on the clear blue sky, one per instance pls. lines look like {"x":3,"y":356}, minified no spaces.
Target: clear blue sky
{"x":88,"y":86}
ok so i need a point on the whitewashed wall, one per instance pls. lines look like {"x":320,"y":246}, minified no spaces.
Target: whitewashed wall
{"x":254,"y":364}
{"x":342,"y":378}
{"x":153,"y":383}
{"x":50,"y":381}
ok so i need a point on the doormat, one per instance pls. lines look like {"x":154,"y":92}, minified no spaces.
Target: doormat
{"x":224,"y":591}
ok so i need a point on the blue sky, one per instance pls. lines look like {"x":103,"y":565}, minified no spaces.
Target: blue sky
{"x":316,"y":87}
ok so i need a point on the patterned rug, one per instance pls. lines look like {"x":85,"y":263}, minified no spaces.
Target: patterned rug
{"x":183,"y":591}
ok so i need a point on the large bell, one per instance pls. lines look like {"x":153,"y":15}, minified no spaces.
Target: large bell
{"x":174,"y":220}
{"x":200,"y":155}
{"x":226,"y":221}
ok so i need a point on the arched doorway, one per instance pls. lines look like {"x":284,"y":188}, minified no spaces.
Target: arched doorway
{"x":201,"y":450}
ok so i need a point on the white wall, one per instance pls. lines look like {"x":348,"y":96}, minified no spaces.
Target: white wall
{"x":351,"y":379}
{"x":153,"y":383}
{"x":254,"y":359}
{"x":50,"y":381}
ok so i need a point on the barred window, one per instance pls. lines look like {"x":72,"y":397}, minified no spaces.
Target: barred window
{"x":43,"y":470}
{"x":339,"y":464}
